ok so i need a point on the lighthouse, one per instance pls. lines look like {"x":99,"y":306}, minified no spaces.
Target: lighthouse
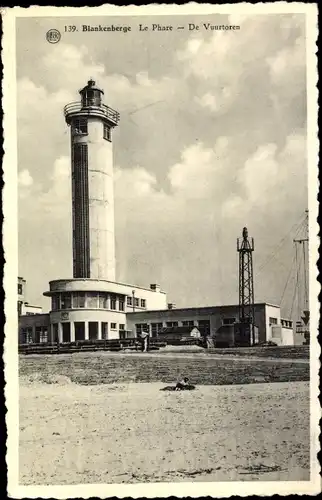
{"x":92,"y":305}
{"x":91,"y":128}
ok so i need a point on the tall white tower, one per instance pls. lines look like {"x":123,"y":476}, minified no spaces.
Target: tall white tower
{"x":91,"y":124}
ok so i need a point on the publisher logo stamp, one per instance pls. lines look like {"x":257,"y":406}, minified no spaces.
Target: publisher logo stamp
{"x":53,"y":36}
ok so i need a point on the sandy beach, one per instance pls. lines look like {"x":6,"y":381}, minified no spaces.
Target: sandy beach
{"x":133,"y":432}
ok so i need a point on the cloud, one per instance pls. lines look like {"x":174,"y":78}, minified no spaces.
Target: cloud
{"x":288,"y":73}
{"x":25,"y":179}
{"x":266,"y":177}
{"x":72,"y":66}
{"x":133,"y":183}
{"x":52,"y":203}
{"x":238,"y":59}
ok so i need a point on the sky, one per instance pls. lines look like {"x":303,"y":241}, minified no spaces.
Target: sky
{"x":212,"y":138}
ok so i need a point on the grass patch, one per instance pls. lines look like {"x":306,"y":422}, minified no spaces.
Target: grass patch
{"x":102,"y":368}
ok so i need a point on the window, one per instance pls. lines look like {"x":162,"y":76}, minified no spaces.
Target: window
{"x":138,"y":328}
{"x":113,"y":326}
{"x":155,"y":328}
{"x":102,"y":301}
{"x":65,"y":302}
{"x":273,"y":321}
{"x":107,"y":133}
{"x":26,"y":335}
{"x":43,"y":335}
{"x":121,"y":327}
{"x":129,"y":301}
{"x":55,"y":302}
{"x":91,"y":300}
{"x":78,"y":300}
{"x":19,"y":306}
{"x":91,"y":99}
{"x":79,"y":126}
{"x":121,"y":304}
{"x":37,"y":336}
{"x":23,"y":334}
{"x":113,"y":303}
{"x":136,"y":302}
{"x":122,"y":334}
{"x":74,"y":301}
{"x":228,"y":321}
{"x":19,"y":289}
{"x":104,"y":330}
{"x":171,"y":324}
{"x":143,"y":302}
{"x":188,"y":323}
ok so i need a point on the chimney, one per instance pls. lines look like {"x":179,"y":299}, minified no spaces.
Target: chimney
{"x":171,"y":305}
{"x":155,"y":287}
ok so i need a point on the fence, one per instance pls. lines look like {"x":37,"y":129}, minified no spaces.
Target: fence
{"x":86,"y":345}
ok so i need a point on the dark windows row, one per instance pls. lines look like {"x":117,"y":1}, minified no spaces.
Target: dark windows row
{"x":37,"y":336}
{"x":203,"y":325}
{"x":136,"y":302}
{"x":88,"y":300}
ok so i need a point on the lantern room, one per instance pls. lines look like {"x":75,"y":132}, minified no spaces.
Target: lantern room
{"x":91,"y":95}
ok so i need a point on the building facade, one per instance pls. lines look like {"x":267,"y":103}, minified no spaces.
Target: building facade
{"x":83,"y":314}
{"x":23,"y":307}
{"x":209,"y":320}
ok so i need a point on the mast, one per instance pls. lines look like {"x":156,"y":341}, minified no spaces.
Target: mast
{"x":245,"y":248}
{"x":301,"y":248}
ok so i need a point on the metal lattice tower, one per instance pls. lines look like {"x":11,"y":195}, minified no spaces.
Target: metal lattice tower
{"x":245,"y":248}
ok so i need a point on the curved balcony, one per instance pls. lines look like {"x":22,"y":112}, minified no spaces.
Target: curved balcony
{"x":74,"y":109}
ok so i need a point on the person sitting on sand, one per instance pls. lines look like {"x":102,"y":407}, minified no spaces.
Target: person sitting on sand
{"x":181,"y":385}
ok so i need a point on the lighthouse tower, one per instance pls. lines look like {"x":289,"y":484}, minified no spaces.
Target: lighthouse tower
{"x":91,"y":124}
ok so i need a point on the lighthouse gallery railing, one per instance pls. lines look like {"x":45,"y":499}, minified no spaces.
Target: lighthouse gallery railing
{"x":103,"y":110}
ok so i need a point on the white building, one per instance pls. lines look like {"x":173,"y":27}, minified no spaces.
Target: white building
{"x":210,"y":320}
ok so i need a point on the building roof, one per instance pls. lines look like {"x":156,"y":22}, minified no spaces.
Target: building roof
{"x":94,"y":280}
{"x":203,"y":309}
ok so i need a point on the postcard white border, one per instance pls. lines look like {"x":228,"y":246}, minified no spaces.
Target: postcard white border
{"x":10,"y":242}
